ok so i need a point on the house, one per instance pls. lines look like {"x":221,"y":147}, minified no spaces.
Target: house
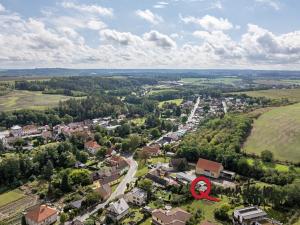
{"x":30,"y":130}
{"x":111,"y":179}
{"x":252,"y":215}
{"x":119,"y":162}
{"x":104,"y":191}
{"x":176,"y":216}
{"x":76,"y":204}
{"x":118,"y":210}
{"x":185,"y":177}
{"x":137,"y":196}
{"x":41,"y":215}
{"x":161,"y":177}
{"x":153,"y":150}
{"x":16,"y":131}
{"x":208,"y":168}
{"x":92,"y":147}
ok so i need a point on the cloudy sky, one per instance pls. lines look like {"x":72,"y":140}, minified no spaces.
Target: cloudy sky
{"x":254,"y":34}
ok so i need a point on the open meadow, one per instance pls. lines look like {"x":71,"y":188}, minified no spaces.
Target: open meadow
{"x":291,"y":94}
{"x":277,"y":130}
{"x":209,"y":81}
{"x":16,"y":100}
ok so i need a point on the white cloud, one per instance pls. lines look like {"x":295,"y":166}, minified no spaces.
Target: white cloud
{"x":149,"y":16}
{"x":96,"y":25}
{"x":2,"y":8}
{"x":159,"y":39}
{"x":271,"y":3}
{"x":122,"y":38}
{"x":161,"y":5}
{"x":46,"y":42}
{"x":95,"y":9}
{"x":208,"y":22}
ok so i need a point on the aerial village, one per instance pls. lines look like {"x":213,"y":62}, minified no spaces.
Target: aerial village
{"x":126,"y":197}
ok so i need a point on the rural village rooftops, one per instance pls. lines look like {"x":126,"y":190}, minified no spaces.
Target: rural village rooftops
{"x":40,"y":213}
{"x":209,"y":165}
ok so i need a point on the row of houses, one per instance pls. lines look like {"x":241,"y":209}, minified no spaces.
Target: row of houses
{"x":118,"y":210}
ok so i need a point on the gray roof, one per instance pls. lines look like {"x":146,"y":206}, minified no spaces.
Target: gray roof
{"x":119,"y":206}
{"x":139,"y":192}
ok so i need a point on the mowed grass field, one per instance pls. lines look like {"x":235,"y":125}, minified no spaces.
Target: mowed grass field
{"x":291,"y":94}
{"x":277,"y":130}
{"x":177,"y":101}
{"x":29,"y":100}
{"x":10,"y":196}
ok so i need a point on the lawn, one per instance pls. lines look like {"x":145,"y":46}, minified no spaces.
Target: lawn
{"x":29,"y":100}
{"x":291,"y":94}
{"x":276,"y":166}
{"x":277,"y":130}
{"x":10,"y":196}
{"x":207,"y":208}
{"x":139,"y":121}
{"x":177,"y":101}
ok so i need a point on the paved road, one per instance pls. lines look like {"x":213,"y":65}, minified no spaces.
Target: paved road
{"x":191,"y":116}
{"x":119,"y":190}
{"x":224,"y":106}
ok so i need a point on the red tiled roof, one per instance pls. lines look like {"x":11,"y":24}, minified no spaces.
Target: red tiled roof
{"x":92,"y":144}
{"x":40,"y":213}
{"x":174,"y":216}
{"x":209,"y":165}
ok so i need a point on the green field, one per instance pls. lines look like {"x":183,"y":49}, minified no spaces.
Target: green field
{"x":276,"y":166}
{"x":202,"y":81}
{"x":291,"y":94}
{"x":139,"y":121}
{"x":277,"y":130}
{"x":177,"y":101}
{"x":29,"y":100}
{"x":10,"y":196}
{"x":161,"y":90}
{"x":277,"y":82}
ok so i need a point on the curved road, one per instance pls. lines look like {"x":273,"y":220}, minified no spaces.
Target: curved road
{"x":119,"y":190}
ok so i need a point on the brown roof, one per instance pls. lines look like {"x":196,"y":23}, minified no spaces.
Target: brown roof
{"x":206,"y":223}
{"x":111,"y":178}
{"x":209,"y":165}
{"x":104,"y":191}
{"x":40,"y":213}
{"x":152,"y":149}
{"x":92,"y":144}
{"x":174,"y":216}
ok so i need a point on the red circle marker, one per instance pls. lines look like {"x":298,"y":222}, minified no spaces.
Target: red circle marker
{"x":202,"y":194}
